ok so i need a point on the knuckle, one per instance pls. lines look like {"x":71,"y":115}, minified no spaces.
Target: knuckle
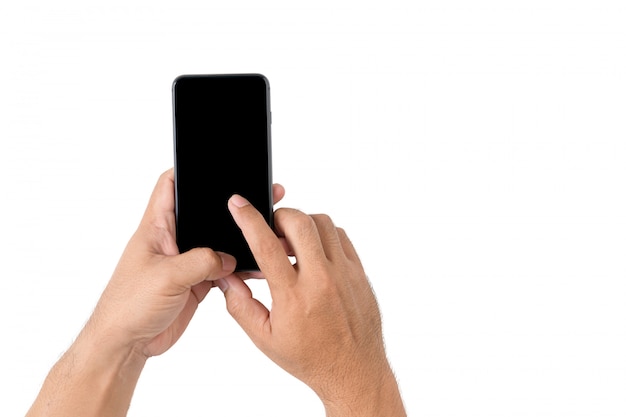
{"x":303,"y":224}
{"x":294,"y":221}
{"x":233,"y":306}
{"x":208,"y":261}
{"x":323,"y":219}
{"x":208,"y":256}
{"x":283,"y":214}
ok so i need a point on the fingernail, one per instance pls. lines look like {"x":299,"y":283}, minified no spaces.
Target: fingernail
{"x":228,"y":262}
{"x":239,"y":201}
{"x":222,"y":284}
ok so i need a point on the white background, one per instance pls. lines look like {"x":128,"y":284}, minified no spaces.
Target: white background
{"x":474,"y":151}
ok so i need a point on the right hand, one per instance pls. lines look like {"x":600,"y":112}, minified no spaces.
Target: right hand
{"x":324,"y":326}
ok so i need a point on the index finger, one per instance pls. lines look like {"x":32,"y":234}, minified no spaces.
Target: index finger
{"x":267,"y":249}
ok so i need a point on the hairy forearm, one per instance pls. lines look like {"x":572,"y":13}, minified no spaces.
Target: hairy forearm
{"x":381,"y":398}
{"x":91,"y":379}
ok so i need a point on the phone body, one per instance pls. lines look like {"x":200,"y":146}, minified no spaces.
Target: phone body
{"x":222,"y":146}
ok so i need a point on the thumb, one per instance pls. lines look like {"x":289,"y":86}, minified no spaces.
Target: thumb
{"x":200,"y":264}
{"x":248,"y":312}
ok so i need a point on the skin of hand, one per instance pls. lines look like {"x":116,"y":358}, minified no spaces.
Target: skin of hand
{"x":145,"y":308}
{"x":324,"y":326}
{"x":155,"y":291}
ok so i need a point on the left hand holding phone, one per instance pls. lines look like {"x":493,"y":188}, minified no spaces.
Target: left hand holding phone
{"x":145,"y":308}
{"x":155,"y":291}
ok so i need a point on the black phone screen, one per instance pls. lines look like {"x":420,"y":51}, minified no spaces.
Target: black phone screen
{"x":221,"y":147}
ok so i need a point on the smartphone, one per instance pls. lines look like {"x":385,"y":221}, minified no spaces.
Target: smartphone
{"x":222,"y":146}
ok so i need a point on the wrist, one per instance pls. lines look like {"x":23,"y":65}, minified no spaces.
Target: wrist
{"x":373,"y":395}
{"x":113,"y":366}
{"x":95,"y":377}
{"x":106,"y":356}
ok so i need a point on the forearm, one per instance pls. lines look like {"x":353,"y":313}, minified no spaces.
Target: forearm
{"x":91,"y":379}
{"x":380,"y":398}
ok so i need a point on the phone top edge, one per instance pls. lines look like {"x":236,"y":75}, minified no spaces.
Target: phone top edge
{"x":232,"y":75}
